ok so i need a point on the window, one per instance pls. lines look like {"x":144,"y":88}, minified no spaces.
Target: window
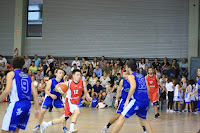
{"x":34,"y":19}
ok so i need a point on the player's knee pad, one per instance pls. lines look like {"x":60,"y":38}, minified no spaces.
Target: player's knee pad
{"x":155,"y":103}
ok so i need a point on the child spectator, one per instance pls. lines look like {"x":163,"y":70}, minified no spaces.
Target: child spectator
{"x":170,"y":94}
{"x":187,"y":96}
{"x":177,"y":90}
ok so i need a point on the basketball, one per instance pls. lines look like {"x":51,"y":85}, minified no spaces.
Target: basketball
{"x":62,"y":88}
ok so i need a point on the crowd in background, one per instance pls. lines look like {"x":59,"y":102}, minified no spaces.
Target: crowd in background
{"x":102,"y":76}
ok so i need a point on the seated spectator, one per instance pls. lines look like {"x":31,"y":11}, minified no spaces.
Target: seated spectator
{"x":3,"y":67}
{"x":74,"y":67}
{"x":102,"y":63}
{"x":51,"y":68}
{"x":35,"y":83}
{"x":66,"y":68}
{"x":93,"y":79}
{"x":2,"y":59}
{"x":84,"y":70}
{"x":98,"y":71}
{"x":111,"y":93}
{"x":77,"y":62}
{"x":146,"y":70}
{"x":47,"y":61}
{"x":165,"y":65}
{"x":63,"y":61}
{"x":108,"y":69}
{"x":155,"y":64}
{"x":117,"y":80}
{"x":104,"y":80}
{"x":90,"y":70}
{"x":30,"y":73}
{"x":147,"y":63}
{"x":89,"y":87}
{"x":27,"y":63}
{"x":85,"y":61}
{"x":40,"y":68}
{"x":175,"y":66}
{"x":142,"y":64}
{"x":98,"y":89}
{"x":92,"y":104}
{"x":112,"y":63}
{"x":39,"y":76}
{"x":119,"y":62}
{"x":56,"y":63}
{"x":116,"y":70}
{"x":158,"y":71}
{"x":41,"y":86}
{"x":184,"y":67}
{"x":170,"y":72}
{"x":37,"y":60}
{"x":95,"y":62}
{"x":33,"y":68}
{"x":143,"y":72}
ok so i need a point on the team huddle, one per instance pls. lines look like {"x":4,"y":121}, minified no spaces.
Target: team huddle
{"x":132,"y":97}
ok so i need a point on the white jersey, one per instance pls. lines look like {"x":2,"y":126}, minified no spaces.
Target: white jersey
{"x":176,"y":92}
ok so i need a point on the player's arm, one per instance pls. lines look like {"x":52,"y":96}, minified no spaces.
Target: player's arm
{"x":159,"y":83}
{"x":48,"y":88}
{"x":9,"y":82}
{"x":132,"y":82}
{"x":86,"y":92}
{"x":119,"y":90}
{"x":194,"y":92}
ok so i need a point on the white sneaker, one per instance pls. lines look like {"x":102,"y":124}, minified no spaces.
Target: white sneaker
{"x":37,"y":128}
{"x":105,"y":129}
{"x":171,"y":111}
{"x":145,"y":131}
{"x":43,"y":127}
{"x":73,"y":131}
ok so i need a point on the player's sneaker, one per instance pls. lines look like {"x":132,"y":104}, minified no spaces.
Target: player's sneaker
{"x":43,"y":127}
{"x":73,"y":131}
{"x":37,"y":128}
{"x":156,"y":116}
{"x":145,"y":131}
{"x":105,"y":129}
{"x":65,"y":130}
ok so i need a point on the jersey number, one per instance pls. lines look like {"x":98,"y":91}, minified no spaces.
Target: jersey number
{"x":24,"y":85}
{"x":75,"y":91}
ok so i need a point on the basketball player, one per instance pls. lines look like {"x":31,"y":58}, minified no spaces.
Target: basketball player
{"x":197,"y":91}
{"x":139,"y":102}
{"x":153,"y":82}
{"x":52,"y":98}
{"x":75,"y":89}
{"x":20,"y":87}
{"x":123,"y":90}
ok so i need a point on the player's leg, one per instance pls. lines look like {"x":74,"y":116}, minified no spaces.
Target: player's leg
{"x":16,"y":131}
{"x":2,"y":131}
{"x":63,"y":120}
{"x":75,"y":116}
{"x":190,"y":107}
{"x":147,"y":125}
{"x":119,"y":124}
{"x":142,"y":124}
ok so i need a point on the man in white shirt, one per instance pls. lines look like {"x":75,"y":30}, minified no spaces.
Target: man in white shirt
{"x":77,"y":62}
{"x":2,"y":59}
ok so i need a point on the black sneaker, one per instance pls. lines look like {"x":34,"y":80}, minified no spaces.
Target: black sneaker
{"x":156,"y":116}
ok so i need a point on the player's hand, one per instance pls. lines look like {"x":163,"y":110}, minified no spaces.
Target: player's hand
{"x":126,"y":103}
{"x":190,"y":95}
{"x":53,"y":96}
{"x":37,"y":114}
{"x":116,"y":104}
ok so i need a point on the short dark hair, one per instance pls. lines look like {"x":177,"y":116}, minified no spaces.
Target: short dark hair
{"x":132,"y":64}
{"x":56,"y":70}
{"x":76,"y":70}
{"x":98,"y":81}
{"x":66,"y":64}
{"x":18,"y":62}
{"x":118,"y":74}
{"x":1,"y":55}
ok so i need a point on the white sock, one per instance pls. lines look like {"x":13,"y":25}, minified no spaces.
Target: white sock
{"x":72,"y":126}
{"x":47,"y":124}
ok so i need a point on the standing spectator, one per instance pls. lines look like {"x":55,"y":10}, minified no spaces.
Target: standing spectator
{"x":102,"y":63}
{"x":95,"y":62}
{"x":93,"y":79}
{"x":184,"y":67}
{"x":2,"y":59}
{"x":175,"y":66}
{"x":39,"y":76}
{"x":165,"y":65}
{"x":77,"y":62}
{"x":147,"y":63}
{"x":142,"y":64}
{"x":112,"y":63}
{"x":104,"y":80}
{"x":90,"y":70}
{"x":108,"y":69}
{"x":116,"y":70}
{"x":37,"y":60}
{"x":98,"y":71}
{"x":27,"y":63}
{"x":33,"y":68}
{"x":85,"y":61}
{"x":66,"y":68}
{"x":84,"y":70}
{"x":155,"y":64}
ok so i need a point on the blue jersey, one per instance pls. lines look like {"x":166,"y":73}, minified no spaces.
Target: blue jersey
{"x":125,"y":89}
{"x":53,"y":85}
{"x":199,"y":89}
{"x":140,"y":93}
{"x":21,"y":87}
{"x":94,"y":102}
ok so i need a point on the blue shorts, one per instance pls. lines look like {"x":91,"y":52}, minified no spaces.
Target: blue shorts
{"x":48,"y":101}
{"x":138,"y":107}
{"x":121,"y":106}
{"x":16,"y":116}
{"x":198,"y":105}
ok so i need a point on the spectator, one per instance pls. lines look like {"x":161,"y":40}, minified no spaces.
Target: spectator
{"x":104,"y":80}
{"x":90,"y":70}
{"x":175,"y":66}
{"x":47,"y":61}
{"x":95,"y":62}
{"x":158,"y":72}
{"x":165,"y":65}
{"x":142,"y":64}
{"x":93,"y":79}
{"x":111,"y":92}
{"x":39,"y":76}
{"x":108,"y":69}
{"x":63,"y":61}
{"x":98,"y":89}
{"x":77,"y":62}
{"x":112,"y":63}
{"x":102,"y":63}
{"x":84,"y":70}
{"x":85,"y":61}
{"x":155,"y":64}
{"x":143,"y":72}
{"x":117,"y":80}
{"x":27,"y":63}
{"x":89,"y":87}
{"x":35,"y":83}
{"x":184,"y":67}
{"x":30,"y":73}
{"x":119,"y":62}
{"x":98,"y":71}
{"x":66,"y":68}
{"x":33,"y":68}
{"x":56,"y":63}
{"x":146,"y":70}
{"x":40,"y":68}
{"x":170,"y":72}
{"x":3,"y":67}
{"x":9,"y":67}
{"x":41,"y":86}
{"x":147,"y":63}
{"x":116,"y":70}
{"x":75,"y":67}
{"x":51,"y":68}
{"x":37,"y":60}
{"x":2,"y":59}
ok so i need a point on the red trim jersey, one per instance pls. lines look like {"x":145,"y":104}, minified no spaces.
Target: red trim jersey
{"x":152,"y":82}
